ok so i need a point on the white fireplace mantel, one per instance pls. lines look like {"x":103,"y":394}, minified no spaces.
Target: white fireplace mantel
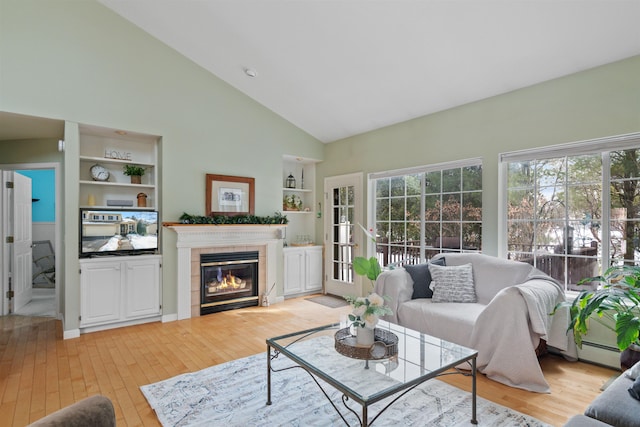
{"x":191,"y":236}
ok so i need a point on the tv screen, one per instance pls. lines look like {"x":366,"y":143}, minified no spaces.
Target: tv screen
{"x":117,"y":232}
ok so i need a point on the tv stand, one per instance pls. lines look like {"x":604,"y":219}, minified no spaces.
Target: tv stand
{"x":119,"y":291}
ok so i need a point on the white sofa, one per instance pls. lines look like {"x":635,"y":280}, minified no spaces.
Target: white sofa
{"x":505,"y":324}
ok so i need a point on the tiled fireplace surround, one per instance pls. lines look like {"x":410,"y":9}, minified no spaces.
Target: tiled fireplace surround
{"x":196,"y":239}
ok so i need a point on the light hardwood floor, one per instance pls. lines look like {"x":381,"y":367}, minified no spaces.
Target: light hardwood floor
{"x":40,"y":372}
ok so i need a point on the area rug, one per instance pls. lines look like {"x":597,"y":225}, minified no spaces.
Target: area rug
{"x":329,"y":301}
{"x":235,"y":394}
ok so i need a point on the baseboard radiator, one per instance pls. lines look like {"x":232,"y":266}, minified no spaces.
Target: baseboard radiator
{"x":600,"y":354}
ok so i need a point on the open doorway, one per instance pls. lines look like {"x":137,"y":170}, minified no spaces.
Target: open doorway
{"x":43,"y":287}
{"x":32,"y":143}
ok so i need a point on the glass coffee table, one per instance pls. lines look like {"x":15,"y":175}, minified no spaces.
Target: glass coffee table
{"x":419,"y":358}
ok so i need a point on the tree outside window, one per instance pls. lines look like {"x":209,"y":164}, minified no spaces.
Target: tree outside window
{"x":419,"y":215}
{"x":556,"y":218}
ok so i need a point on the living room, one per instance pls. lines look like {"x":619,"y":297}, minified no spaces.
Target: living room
{"x":81,"y":63}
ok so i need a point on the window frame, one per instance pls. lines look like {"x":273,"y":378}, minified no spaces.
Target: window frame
{"x":423,"y":170}
{"x":599,"y":146}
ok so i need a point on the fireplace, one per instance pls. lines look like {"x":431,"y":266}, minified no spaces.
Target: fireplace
{"x":194,"y":240}
{"x":228,"y":280}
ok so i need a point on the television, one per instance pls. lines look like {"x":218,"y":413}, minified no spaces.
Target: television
{"x":118,"y":232}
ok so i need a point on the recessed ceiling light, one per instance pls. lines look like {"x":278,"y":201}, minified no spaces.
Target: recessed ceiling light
{"x":250,"y":72}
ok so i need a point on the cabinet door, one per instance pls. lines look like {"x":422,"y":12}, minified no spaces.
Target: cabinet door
{"x":313,"y":269}
{"x":100,"y":292}
{"x":293,"y":271}
{"x":142,"y":288}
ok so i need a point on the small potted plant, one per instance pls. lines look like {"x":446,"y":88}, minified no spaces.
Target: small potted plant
{"x":135,"y":172}
{"x":618,"y":301}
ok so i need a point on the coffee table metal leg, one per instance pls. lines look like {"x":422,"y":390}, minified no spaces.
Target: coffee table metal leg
{"x":269,"y":374}
{"x":473,"y":391}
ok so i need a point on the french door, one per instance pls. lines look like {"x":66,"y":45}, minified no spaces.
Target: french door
{"x":343,"y":211}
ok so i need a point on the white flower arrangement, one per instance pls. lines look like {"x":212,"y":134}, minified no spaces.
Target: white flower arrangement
{"x":292,"y":202}
{"x":367,"y":310}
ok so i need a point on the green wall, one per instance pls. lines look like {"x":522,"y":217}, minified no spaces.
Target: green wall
{"x":600,"y":102}
{"x":79,"y":62}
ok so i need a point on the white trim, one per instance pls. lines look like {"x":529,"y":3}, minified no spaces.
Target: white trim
{"x":58,"y":255}
{"x":426,"y":168}
{"x":597,"y":145}
{"x":72,"y":333}
{"x":169,"y":317}
{"x":502,"y":208}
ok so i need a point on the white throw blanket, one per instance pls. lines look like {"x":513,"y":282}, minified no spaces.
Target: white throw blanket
{"x":509,"y":356}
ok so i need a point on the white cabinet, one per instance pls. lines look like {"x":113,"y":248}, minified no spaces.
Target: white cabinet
{"x":113,"y":149}
{"x":100,"y":291}
{"x":119,"y":289}
{"x":142,"y":288}
{"x":302,"y":269}
{"x":313,"y":269}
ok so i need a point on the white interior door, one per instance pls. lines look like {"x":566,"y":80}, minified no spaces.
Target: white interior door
{"x":343,"y":212}
{"x":17,"y":223}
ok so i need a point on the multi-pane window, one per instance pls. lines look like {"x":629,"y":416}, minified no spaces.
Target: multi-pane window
{"x":428,"y":211}
{"x":571,"y":211}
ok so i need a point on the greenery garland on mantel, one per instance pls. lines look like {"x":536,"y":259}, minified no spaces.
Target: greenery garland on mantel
{"x":277,"y":218}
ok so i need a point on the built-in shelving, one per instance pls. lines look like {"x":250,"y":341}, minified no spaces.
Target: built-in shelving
{"x":118,"y":290}
{"x":113,"y":149}
{"x":301,"y":222}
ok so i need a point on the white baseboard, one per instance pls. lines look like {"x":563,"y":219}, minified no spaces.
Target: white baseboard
{"x":169,"y":317}
{"x":108,"y":326}
{"x":73,"y":333}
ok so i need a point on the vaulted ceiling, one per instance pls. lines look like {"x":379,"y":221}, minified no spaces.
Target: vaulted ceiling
{"x":337,"y":68}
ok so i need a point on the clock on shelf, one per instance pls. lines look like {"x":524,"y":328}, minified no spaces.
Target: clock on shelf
{"x":99,"y":173}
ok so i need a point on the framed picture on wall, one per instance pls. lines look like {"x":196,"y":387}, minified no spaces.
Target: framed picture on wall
{"x":229,"y":195}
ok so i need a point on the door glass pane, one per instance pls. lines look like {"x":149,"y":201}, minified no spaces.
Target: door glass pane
{"x":342,"y":233}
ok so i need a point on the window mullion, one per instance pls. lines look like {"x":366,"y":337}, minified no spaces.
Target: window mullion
{"x":423,"y":206}
{"x":606,"y":211}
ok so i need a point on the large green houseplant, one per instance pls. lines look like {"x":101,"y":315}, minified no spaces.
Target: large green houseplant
{"x":617,"y":300}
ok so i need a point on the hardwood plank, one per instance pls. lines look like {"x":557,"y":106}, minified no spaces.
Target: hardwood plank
{"x":40,"y":372}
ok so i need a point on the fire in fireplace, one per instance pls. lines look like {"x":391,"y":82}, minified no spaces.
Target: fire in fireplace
{"x":228,"y":281}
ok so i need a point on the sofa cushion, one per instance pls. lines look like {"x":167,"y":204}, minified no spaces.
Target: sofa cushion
{"x":94,"y":411}
{"x":584,"y":421}
{"x":634,"y":371}
{"x":634,"y":390}
{"x":614,"y":405}
{"x":453,"y":283}
{"x":447,"y":320}
{"x":422,"y":278}
{"x":490,"y":274}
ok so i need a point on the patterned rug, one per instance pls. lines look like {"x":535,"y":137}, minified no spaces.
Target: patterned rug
{"x":235,"y":393}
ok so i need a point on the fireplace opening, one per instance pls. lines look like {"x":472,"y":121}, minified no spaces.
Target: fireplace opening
{"x":228,"y":281}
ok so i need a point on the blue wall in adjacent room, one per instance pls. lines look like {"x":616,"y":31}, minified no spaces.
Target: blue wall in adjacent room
{"x":43,"y":188}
